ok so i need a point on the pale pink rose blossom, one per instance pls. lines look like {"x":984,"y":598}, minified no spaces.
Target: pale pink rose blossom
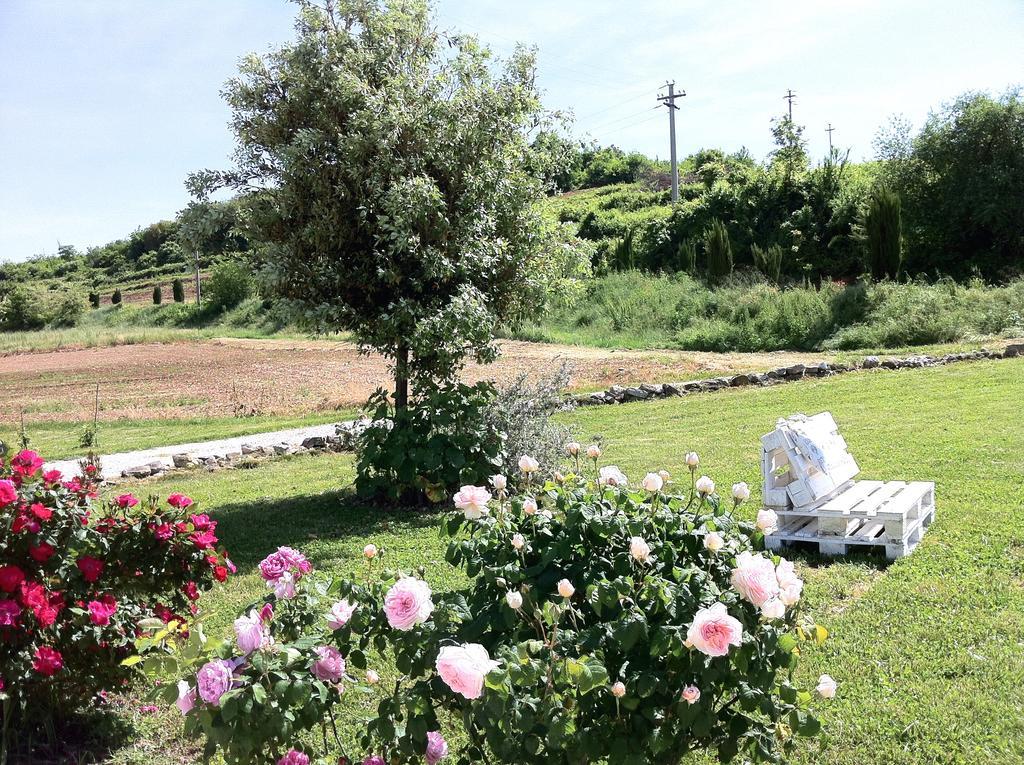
{"x":826,"y":687}
{"x":464,"y":667}
{"x":437,"y":747}
{"x":773,"y":609}
{"x":329,"y":666}
{"x":767,"y":520}
{"x":529,"y":506}
{"x":610,"y":475}
{"x":186,"y":697}
{"x":619,"y":690}
{"x":664,"y":475}
{"x":408,"y":603}
{"x":249,"y":632}
{"x":499,"y":482}
{"x":713,"y":541}
{"x":472,"y":501}
{"x":740,"y":492}
{"x":528,"y":464}
{"x":565,"y":589}
{"x":652,"y":482}
{"x":518,"y":541}
{"x":372,"y":677}
{"x":691,"y":694}
{"x":340,"y":614}
{"x":705,"y":485}
{"x":754,"y":578}
{"x":639,"y":549}
{"x":284,"y":586}
{"x":692,"y":460}
{"x":370,"y":552}
{"x":713,"y":631}
{"x":790,"y":585}
{"x":593,"y":451}
{"x":572,"y":448}
{"x":514,"y":600}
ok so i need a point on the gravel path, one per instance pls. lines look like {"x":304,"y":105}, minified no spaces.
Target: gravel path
{"x":161,"y":459}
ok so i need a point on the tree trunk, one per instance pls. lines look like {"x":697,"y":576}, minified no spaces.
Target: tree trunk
{"x":401,"y":378}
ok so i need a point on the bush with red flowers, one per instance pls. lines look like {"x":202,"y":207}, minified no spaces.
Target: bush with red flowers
{"x":81,"y":579}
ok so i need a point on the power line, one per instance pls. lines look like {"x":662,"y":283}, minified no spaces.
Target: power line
{"x":603,"y":125}
{"x":619,"y":129}
{"x":645,"y":94}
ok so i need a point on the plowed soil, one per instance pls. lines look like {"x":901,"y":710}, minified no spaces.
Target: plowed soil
{"x":211,"y":378}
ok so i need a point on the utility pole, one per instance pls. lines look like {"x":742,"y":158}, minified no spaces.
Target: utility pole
{"x":199,"y":294}
{"x":790,"y":95}
{"x":670,"y":102}
{"x":829,"y":130}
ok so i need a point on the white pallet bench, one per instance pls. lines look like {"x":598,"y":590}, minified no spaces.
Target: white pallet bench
{"x":827,"y":507}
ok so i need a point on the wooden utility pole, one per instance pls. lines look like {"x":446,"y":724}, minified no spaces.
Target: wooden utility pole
{"x":790,"y":96}
{"x":199,"y":293}
{"x":829,"y":130}
{"x":670,"y":102}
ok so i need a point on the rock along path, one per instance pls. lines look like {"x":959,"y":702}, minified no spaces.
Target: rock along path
{"x":146,"y":462}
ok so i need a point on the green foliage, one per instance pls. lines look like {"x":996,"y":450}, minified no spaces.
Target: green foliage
{"x":64,"y":308}
{"x":22,"y":308}
{"x":883,"y":234}
{"x":178,"y":291}
{"x":686,"y":257}
{"x":115,"y":298}
{"x":229,"y":284}
{"x":438,"y":442}
{"x":718,"y":251}
{"x":158,"y":295}
{"x":962,"y":185}
{"x":94,"y":299}
{"x":396,"y":201}
{"x":768,"y":261}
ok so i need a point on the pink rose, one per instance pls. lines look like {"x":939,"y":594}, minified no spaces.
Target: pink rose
{"x":713,"y":631}
{"x":437,"y":747}
{"x":284,"y":587}
{"x":472,"y":501}
{"x":408,"y":603}
{"x":8,"y":494}
{"x":179,"y":501}
{"x":790,"y":585}
{"x":10,"y":612}
{"x":340,"y":613}
{"x":754,"y":578}
{"x":285,"y":559}
{"x":214,"y":680}
{"x":125,"y":501}
{"x":294,"y":757}
{"x":249,"y":632}
{"x":186,"y":697}
{"x":463,"y":668}
{"x":101,"y":610}
{"x":691,"y":694}
{"x":330,"y":667}
{"x":374,"y":759}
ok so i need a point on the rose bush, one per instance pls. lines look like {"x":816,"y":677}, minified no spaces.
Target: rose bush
{"x":80,"y":580}
{"x":602,"y":624}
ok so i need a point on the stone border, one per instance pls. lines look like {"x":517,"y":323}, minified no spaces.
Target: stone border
{"x":617,"y":394}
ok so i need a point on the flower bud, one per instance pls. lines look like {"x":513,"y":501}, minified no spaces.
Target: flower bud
{"x":514,"y":600}
{"x":528,"y":464}
{"x":370,"y":551}
{"x":652,"y":482}
{"x":665,"y":475}
{"x":691,"y":694}
{"x":565,"y":589}
{"x":692,"y":460}
{"x":618,"y":690}
{"x":826,"y":687}
{"x":572,"y":448}
{"x":372,"y":677}
{"x":639,"y":549}
{"x":593,"y":451}
{"x":705,"y":485}
{"x":740,"y":492}
{"x":499,"y":482}
{"x":529,"y":506}
{"x":713,"y":541}
{"x":518,"y":541}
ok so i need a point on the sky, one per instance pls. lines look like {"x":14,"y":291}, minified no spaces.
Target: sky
{"x":107,"y":105}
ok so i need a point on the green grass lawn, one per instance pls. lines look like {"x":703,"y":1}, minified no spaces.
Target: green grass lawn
{"x":60,"y":440}
{"x":928,"y":651}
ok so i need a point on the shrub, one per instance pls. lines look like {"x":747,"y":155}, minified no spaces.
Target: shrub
{"x":686,"y":257}
{"x":883,"y":234}
{"x":519,"y":418}
{"x":22,"y":308}
{"x":158,"y":295}
{"x":768,"y":262}
{"x":78,"y":578}
{"x":115,"y":299}
{"x":94,"y":299}
{"x":438,"y":442}
{"x":230,"y":283}
{"x":718,"y":250}
{"x":599,"y":624}
{"x":178,"y":291}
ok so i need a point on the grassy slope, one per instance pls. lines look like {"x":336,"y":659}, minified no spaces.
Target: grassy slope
{"x":60,"y":440}
{"x":927,"y":651}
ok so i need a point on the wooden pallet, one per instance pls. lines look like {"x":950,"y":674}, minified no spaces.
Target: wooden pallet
{"x":891,"y":514}
{"x":791,"y":476}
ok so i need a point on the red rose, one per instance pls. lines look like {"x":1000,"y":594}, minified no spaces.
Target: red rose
{"x":52,"y":476}
{"x":41,"y":511}
{"x":25,"y":521}
{"x":191,"y":591}
{"x":45,"y":605}
{"x":48,"y":661}
{"x":10,"y":612}
{"x":101,"y":610}
{"x":41,"y":552}
{"x":125,"y":501}
{"x":11,"y":578}
{"x":26,"y":462}
{"x":90,"y":567}
{"x":202,"y":522}
{"x":163,"y":532}
{"x":8,"y":493}
{"x":220,"y":573}
{"x":179,"y":501}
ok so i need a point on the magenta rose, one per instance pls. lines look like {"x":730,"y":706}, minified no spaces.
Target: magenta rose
{"x":437,"y":747}
{"x":293,"y":757}
{"x":713,"y":631}
{"x":8,"y":493}
{"x":249,"y":632}
{"x":101,"y":610}
{"x":330,"y":666}
{"x":408,"y":603}
{"x":214,"y":680}
{"x":10,"y":612}
{"x":464,"y":667}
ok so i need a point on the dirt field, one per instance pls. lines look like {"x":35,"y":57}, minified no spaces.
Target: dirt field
{"x":199,"y":379}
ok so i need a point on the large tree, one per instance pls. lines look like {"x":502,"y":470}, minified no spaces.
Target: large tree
{"x":383,"y":164}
